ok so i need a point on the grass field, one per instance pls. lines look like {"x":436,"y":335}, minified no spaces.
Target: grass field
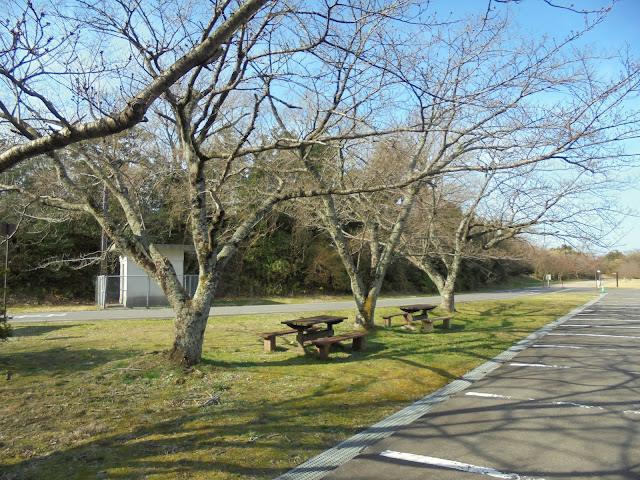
{"x":97,"y":400}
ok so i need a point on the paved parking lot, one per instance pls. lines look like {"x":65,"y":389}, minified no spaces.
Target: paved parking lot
{"x":565,"y":407}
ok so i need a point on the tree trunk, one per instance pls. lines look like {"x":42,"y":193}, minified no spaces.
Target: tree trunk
{"x":365,"y":310}
{"x":447,"y":297}
{"x":361,"y":299}
{"x":189,"y":327}
{"x":445,"y":286}
{"x":366,"y":302}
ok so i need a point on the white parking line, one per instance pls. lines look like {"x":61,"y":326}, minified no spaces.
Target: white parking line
{"x":541,"y":365}
{"x":557,"y":346}
{"x":575,"y":347}
{"x":495,"y":395}
{"x":453,"y":465}
{"x":607,"y":320}
{"x":562,"y":404}
{"x":510,"y":397}
{"x":40,"y":315}
{"x":592,"y":335}
{"x":598,"y":326}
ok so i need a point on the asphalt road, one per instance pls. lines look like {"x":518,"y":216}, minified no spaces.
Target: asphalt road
{"x":565,"y":407}
{"x":293,"y":308}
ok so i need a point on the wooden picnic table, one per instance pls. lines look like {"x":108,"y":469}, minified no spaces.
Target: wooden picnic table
{"x":411,"y":309}
{"x":307,"y":327}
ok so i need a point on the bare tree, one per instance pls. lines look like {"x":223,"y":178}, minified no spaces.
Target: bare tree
{"x":570,"y":6}
{"x":486,"y":102}
{"x":51,"y":66}
{"x":629,"y":266}
{"x":280,"y":102}
{"x":236,"y":134}
{"x":466,"y":218}
{"x":366,"y":227}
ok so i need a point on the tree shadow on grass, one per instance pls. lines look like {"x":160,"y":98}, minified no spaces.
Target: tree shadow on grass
{"x":309,"y":357}
{"x":174,"y":448}
{"x":34,"y":330}
{"x":442,"y":342}
{"x":61,"y":359}
{"x":507,"y":310}
{"x":377,"y":348}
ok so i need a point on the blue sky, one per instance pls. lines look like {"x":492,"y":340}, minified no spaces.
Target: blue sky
{"x":621,"y":28}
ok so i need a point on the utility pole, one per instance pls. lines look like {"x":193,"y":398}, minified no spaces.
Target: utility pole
{"x":104,"y":239}
{"x":6,"y":229}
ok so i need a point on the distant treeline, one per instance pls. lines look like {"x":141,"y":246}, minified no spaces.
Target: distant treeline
{"x":281,"y":257}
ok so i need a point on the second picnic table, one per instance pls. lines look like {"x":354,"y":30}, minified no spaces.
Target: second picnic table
{"x":427,"y":321}
{"x":408,"y":316}
{"x":408,"y":311}
{"x":411,"y":309}
{"x":307,"y":327}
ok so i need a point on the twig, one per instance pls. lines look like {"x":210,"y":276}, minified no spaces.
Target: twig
{"x":213,"y":400}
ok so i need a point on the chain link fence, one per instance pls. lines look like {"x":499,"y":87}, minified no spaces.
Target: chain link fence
{"x":136,"y":290}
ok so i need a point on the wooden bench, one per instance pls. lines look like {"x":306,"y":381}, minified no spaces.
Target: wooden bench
{"x":322,"y":345}
{"x":386,"y":319}
{"x":427,"y":323}
{"x":270,"y":337}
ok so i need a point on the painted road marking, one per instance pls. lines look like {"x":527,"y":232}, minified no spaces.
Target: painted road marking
{"x":575,"y":346}
{"x":495,"y":395}
{"x":562,"y":404}
{"x":509,"y":397}
{"x":608,"y":307}
{"x":542,"y":365}
{"x":557,"y":346}
{"x":453,"y":465}
{"x":607,"y":320}
{"x":40,"y":315}
{"x":598,"y":326}
{"x":592,"y":335}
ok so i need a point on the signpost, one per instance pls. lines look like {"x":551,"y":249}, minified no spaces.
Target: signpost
{"x":6,"y":229}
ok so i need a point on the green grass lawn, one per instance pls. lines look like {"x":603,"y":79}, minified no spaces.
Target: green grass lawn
{"x":97,"y":400}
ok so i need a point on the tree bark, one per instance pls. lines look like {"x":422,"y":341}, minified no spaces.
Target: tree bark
{"x":447,"y":297}
{"x":189,"y":327}
{"x":445,"y":285}
{"x":366,"y":305}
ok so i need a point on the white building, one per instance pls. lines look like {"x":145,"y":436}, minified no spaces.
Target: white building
{"x":138,"y":290}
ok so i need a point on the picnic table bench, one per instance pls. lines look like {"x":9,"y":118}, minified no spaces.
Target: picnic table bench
{"x":359,"y":343}
{"x":270,"y":337}
{"x":386,"y":319}
{"x":427,"y":323}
